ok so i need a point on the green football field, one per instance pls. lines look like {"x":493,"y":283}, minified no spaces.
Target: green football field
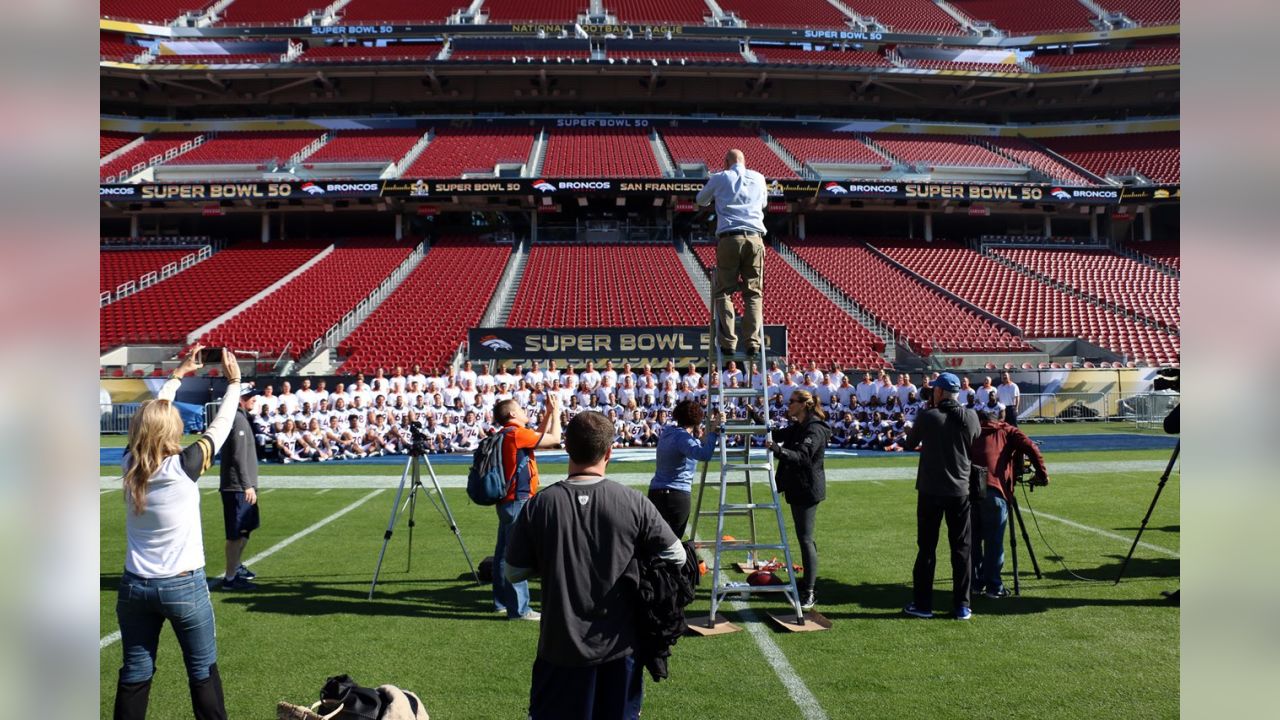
{"x":1067,"y":647}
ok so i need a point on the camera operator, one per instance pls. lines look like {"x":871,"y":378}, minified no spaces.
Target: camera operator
{"x":999,"y":449}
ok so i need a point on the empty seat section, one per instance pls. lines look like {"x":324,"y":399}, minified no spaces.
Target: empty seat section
{"x":1108,"y":277}
{"x":926,"y":319}
{"x":298,"y":314}
{"x":1031,"y":155}
{"x":579,"y":285}
{"x":1020,"y":16}
{"x":519,"y":55}
{"x":248,"y":147}
{"x":923,"y":16}
{"x":509,"y":11}
{"x":797,"y":13}
{"x":816,"y":328}
{"x":431,"y":12}
{"x":456,"y":151}
{"x":708,"y":146}
{"x":820,"y":146}
{"x":167,"y":311}
{"x":1155,"y":155}
{"x":269,"y":12}
{"x":109,"y":141}
{"x":155,"y":11}
{"x":228,"y":59}
{"x":156,"y":146}
{"x":120,"y":266}
{"x":611,"y":152}
{"x":684,"y":12}
{"x":676,"y":56}
{"x":1103,"y":60}
{"x":366,"y":146}
{"x":1166,"y":253}
{"x":1147,"y":12}
{"x":112,"y":46}
{"x":1040,"y":310}
{"x":964,"y":66}
{"x":363,"y":53}
{"x":939,"y":151}
{"x":799,"y":56}
{"x":428,"y":316}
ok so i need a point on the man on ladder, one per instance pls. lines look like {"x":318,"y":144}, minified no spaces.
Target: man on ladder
{"x":740,"y":196}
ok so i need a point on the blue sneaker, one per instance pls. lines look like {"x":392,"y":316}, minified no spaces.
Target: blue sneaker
{"x":914,"y":611}
{"x":246,"y":573}
{"x":238,"y":583}
{"x":962,"y":613}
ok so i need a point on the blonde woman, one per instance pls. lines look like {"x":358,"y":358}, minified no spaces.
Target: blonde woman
{"x":164,"y":564}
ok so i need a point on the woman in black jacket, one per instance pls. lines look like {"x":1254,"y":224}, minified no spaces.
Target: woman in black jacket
{"x":800,"y":448}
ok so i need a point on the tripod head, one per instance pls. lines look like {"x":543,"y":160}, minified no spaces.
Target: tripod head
{"x":418,"y":440}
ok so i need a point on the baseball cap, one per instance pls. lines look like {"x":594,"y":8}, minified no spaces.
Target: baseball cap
{"x":248,"y":391}
{"x":948,"y":382}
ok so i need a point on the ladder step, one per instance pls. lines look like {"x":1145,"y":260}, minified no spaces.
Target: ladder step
{"x":740,"y":545}
{"x":734,"y":429}
{"x":739,"y":467}
{"x":739,"y":356}
{"x":741,"y":392}
{"x":748,"y":506}
{"x":746,"y":588}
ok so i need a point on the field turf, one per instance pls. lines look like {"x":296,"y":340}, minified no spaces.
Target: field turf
{"x":1067,"y":648}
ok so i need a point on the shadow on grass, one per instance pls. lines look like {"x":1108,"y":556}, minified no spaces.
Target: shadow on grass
{"x":452,"y":599}
{"x":1163,"y":567}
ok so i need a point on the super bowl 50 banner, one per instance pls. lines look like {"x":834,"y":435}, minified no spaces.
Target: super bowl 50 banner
{"x":612,"y":342}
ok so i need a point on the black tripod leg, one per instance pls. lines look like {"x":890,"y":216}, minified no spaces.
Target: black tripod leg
{"x":1013,"y":549}
{"x":1026,"y":538}
{"x":413,"y":506}
{"x":1159,"y":488}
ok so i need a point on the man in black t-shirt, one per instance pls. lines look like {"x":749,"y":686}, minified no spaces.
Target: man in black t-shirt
{"x":580,"y":536}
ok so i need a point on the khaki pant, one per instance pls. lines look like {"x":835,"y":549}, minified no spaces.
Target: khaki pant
{"x":739,"y":256}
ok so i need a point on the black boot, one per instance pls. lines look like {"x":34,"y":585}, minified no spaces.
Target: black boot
{"x":131,"y":700}
{"x":206,"y":697}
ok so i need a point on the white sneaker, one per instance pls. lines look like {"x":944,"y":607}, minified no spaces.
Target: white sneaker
{"x":533,"y":615}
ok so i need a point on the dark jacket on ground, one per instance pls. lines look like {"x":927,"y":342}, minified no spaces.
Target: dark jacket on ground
{"x":664,"y":591}
{"x":800,"y":449}
{"x":945,"y":434}
{"x":238,"y":469}
{"x":994,"y":449}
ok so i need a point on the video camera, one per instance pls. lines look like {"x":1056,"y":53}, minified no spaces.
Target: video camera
{"x":1025,"y":472}
{"x":418,"y":439}
{"x":1168,"y":379}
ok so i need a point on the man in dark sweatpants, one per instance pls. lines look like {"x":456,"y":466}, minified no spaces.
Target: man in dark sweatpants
{"x":944,"y":433}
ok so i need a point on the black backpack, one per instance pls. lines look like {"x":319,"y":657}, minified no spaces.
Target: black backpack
{"x":487,"y":479}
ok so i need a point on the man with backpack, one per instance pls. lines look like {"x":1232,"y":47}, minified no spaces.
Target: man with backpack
{"x":944,"y":433}
{"x":584,"y":536}
{"x":521,"y":472}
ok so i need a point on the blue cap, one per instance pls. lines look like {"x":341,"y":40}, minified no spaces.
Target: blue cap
{"x":948,"y":382}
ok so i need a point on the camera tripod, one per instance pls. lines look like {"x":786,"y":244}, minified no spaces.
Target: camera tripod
{"x":1173,"y":458}
{"x":412,"y":469}
{"x":1016,"y":511}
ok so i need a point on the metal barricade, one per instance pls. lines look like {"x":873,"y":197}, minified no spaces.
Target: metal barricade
{"x":210,"y":411}
{"x":1066,"y":407}
{"x":115,"y":417}
{"x":1148,"y":410}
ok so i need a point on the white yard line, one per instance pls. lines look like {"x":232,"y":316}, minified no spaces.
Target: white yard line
{"x":800,"y":693}
{"x":1104,"y":533}
{"x":324,"y":491}
{"x":111,"y":638}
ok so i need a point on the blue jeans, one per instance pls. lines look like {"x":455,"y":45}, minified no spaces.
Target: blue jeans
{"x":989,"y":556}
{"x":142,"y":607}
{"x":514,"y":597}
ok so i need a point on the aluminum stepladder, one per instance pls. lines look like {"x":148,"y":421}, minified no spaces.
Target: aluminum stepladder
{"x":736,"y":468}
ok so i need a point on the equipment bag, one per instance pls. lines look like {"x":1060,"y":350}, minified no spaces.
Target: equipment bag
{"x":487,"y":480}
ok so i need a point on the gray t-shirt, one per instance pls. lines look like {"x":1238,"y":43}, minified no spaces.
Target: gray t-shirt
{"x":580,"y":538}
